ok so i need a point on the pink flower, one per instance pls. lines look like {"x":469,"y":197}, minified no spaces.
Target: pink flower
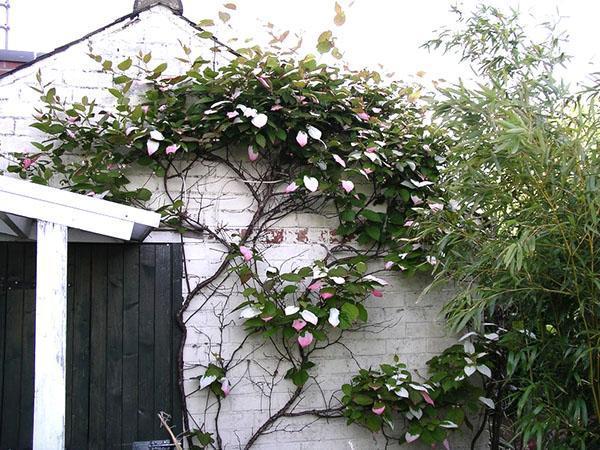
{"x":377,"y":293}
{"x":298,"y":324}
{"x":291,"y":188}
{"x":225,"y":387}
{"x":276,"y":107}
{"x":315,"y":287}
{"x":302,"y":138}
{"x":347,"y":185}
{"x":246,"y":253}
{"x":378,"y":411}
{"x":363,"y":115}
{"x":305,"y":340}
{"x":232,"y":114}
{"x":27,"y":163}
{"x":371,"y":149}
{"x":171,"y":149}
{"x":252,"y":155}
{"x":326,"y":295}
{"x":427,"y":398}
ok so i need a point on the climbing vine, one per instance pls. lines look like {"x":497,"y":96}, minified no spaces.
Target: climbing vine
{"x":300,"y":137}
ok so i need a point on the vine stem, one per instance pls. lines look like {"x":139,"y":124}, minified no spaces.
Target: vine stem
{"x":271,"y":420}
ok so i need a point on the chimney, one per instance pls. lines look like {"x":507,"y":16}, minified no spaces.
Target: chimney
{"x":175,"y":5}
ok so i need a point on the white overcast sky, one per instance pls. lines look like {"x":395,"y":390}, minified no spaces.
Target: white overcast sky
{"x":387,"y":32}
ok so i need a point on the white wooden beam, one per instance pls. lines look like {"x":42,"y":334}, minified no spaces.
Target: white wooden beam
{"x":50,"y":337}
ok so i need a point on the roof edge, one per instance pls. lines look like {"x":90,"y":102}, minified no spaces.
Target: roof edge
{"x":124,"y":18}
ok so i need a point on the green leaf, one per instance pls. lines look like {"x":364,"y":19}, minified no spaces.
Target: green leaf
{"x":350,"y":310}
{"x":124,"y":65}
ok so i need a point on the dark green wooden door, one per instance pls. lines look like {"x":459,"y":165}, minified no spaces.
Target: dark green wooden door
{"x":121,"y":343}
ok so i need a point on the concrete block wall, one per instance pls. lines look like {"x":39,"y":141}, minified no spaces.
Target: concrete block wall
{"x":399,"y":324}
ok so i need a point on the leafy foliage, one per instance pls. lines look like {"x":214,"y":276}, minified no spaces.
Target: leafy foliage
{"x":519,"y":231}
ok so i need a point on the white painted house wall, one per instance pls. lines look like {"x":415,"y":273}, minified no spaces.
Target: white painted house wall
{"x":415,"y":332}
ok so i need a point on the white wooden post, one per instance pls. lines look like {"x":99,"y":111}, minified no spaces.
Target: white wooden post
{"x":50,"y":337}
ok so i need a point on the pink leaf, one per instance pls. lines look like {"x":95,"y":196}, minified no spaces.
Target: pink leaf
{"x":388,"y":265}
{"x":264,"y":82}
{"x":276,"y":107}
{"x":378,"y":411}
{"x":427,"y":398}
{"x":326,"y":295}
{"x":145,"y":109}
{"x":266,"y":319}
{"x":246,"y":253}
{"x":363,"y":115}
{"x":27,"y":163}
{"x":377,"y":293}
{"x":339,"y":160}
{"x":347,"y":185}
{"x":232,"y":114}
{"x":436,"y":207}
{"x":171,"y":149}
{"x":305,"y":340}
{"x":371,"y":149}
{"x":291,"y":187}
{"x":446,"y":444}
{"x":225,"y":387}
{"x":302,"y":138}
{"x":298,"y":324}
{"x":315,"y":287}
{"x":416,"y":200}
{"x":252,"y":155}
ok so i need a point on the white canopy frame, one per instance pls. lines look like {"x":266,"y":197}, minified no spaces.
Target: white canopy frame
{"x":30,"y":211}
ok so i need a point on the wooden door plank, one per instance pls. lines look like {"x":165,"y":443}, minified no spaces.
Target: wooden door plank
{"x":28,"y":339}
{"x":176,"y":299}
{"x":74,"y":251}
{"x":97,"y":407}
{"x":162,"y":336}
{"x":12,"y":353}
{"x":146,"y":343}
{"x":3,"y":299}
{"x":131,"y":293}
{"x":114,"y":356}
{"x":81,"y":347}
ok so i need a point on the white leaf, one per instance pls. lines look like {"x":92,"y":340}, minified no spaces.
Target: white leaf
{"x":470,"y":370}
{"x":152,"y":146}
{"x":249,"y":312}
{"x":157,"y":135}
{"x":402,"y":393}
{"x":469,"y":347}
{"x":484,"y":370}
{"x":468,"y":335}
{"x":207,"y":381}
{"x":488,"y":402}
{"x":290,"y":310}
{"x":491,"y":336}
{"x":309,"y":317}
{"x":448,"y":424}
{"x":338,"y":280}
{"x":376,"y":280}
{"x":334,"y":317}
{"x":411,"y":437}
{"x":421,"y":183}
{"x":311,"y":183}
{"x":417,"y":413}
{"x":260,"y":120}
{"x":417,"y":387}
{"x":313,"y":132}
{"x":318,"y":272}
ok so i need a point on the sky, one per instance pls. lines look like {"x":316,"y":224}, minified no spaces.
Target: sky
{"x":376,"y":32}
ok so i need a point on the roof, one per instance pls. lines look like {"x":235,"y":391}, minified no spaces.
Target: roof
{"x":22,"y":203}
{"x":131,"y":16}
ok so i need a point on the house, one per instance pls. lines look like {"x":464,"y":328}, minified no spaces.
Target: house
{"x":122,"y":338}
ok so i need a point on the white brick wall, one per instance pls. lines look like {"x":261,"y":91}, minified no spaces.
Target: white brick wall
{"x":405,"y":327}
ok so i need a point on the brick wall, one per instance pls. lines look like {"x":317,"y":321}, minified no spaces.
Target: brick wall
{"x":401,"y":324}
